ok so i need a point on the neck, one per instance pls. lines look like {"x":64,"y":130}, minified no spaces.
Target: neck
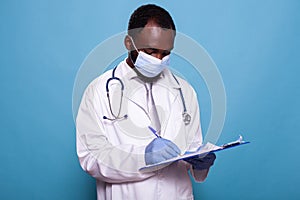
{"x":129,"y":62}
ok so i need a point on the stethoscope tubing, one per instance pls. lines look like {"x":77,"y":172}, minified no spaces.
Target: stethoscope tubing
{"x":185,"y":115}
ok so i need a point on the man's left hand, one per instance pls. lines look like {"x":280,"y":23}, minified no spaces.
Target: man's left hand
{"x":203,"y":162}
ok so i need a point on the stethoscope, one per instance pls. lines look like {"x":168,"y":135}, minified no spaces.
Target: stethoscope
{"x":185,"y":116}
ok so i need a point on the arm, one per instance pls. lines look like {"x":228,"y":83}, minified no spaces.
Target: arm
{"x":199,"y":167}
{"x":200,"y":175}
{"x":97,"y":156}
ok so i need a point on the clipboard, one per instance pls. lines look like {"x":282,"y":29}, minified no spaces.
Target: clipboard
{"x":200,"y":152}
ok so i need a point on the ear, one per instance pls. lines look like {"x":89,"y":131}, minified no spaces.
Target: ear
{"x":128,"y":43}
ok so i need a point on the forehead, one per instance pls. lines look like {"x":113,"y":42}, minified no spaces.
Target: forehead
{"x":155,"y":37}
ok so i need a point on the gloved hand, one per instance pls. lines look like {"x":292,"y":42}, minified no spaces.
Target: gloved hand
{"x":159,"y":150}
{"x":202,"y":163}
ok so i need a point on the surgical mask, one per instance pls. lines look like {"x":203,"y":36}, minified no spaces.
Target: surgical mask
{"x":148,"y":65}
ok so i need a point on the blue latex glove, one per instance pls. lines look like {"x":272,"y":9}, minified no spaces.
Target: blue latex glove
{"x":159,"y":150}
{"x":202,"y":163}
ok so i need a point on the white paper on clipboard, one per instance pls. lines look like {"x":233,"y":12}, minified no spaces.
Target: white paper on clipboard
{"x":201,"y":151}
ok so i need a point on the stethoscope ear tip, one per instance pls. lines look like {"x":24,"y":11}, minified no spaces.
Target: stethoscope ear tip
{"x":104,"y":117}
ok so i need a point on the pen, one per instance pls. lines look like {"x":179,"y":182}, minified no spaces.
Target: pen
{"x":154,"y":131}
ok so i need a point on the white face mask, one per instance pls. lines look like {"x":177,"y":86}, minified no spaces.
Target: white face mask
{"x":148,"y":65}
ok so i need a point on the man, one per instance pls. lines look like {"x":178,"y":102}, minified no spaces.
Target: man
{"x":132,"y":116}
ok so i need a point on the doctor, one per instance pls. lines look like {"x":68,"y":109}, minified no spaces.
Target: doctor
{"x":142,"y":120}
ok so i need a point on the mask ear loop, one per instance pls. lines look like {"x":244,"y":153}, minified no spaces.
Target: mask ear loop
{"x":133,"y":44}
{"x":130,"y":56}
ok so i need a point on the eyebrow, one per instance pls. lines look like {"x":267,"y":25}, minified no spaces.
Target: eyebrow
{"x":155,"y":49}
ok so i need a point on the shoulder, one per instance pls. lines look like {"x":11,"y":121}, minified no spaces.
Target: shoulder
{"x":98,"y":85}
{"x":182,"y":83}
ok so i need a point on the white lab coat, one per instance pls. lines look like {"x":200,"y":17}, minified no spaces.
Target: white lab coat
{"x":112,"y":152}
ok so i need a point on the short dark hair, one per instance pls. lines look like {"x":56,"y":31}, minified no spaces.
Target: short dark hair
{"x":142,"y":15}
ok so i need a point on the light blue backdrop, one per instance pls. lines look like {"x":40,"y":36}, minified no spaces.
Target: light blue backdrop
{"x":254,"y":43}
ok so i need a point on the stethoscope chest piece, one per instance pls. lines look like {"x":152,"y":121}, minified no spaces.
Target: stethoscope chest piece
{"x":186,"y":118}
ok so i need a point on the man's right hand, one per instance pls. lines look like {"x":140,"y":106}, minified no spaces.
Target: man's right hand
{"x":159,"y":150}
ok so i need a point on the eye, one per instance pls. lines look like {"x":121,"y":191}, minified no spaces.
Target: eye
{"x":166,"y":53}
{"x":155,"y":52}
{"x":150,"y":51}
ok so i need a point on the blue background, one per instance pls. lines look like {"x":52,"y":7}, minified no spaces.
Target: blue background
{"x":254,"y":43}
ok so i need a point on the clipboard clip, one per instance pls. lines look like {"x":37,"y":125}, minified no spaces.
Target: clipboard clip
{"x":235,"y":143}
